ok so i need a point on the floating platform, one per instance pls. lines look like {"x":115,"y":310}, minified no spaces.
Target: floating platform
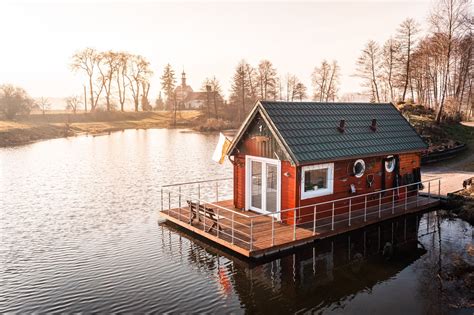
{"x":255,"y":235}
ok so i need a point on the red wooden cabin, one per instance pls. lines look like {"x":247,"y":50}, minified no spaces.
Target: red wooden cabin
{"x":292,"y":154}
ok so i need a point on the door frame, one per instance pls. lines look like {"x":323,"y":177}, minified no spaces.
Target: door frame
{"x":248,"y":183}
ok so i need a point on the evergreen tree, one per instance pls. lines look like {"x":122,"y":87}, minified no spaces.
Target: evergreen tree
{"x":168,"y":83}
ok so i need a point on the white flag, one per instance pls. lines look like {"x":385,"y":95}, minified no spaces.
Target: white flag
{"x":221,"y":149}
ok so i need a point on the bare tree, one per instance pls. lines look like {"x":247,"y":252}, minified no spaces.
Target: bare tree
{"x":121,"y":77}
{"x":146,"y":106}
{"x":73,"y":103}
{"x":368,"y":67}
{"x":295,"y":90}
{"x":43,"y":104}
{"x":243,"y":89}
{"x":325,"y":79}
{"x":216,"y":91}
{"x":406,"y":36}
{"x":139,"y":72}
{"x":450,"y":18}
{"x":87,"y":60}
{"x":266,"y":76}
{"x":299,"y":91}
{"x":108,"y":62}
{"x":391,"y":52}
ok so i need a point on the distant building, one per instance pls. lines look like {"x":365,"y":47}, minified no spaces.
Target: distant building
{"x":188,"y":99}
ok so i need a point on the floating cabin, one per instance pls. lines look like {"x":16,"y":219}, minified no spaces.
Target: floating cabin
{"x":309,"y":170}
{"x":293,"y":154}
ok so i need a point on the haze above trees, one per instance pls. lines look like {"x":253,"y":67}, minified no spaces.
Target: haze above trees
{"x":431,"y":67}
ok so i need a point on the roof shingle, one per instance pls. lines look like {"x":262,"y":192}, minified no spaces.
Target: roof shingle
{"x":310,"y":129}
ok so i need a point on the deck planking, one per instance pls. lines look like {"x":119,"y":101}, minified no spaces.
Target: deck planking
{"x":285,"y":235}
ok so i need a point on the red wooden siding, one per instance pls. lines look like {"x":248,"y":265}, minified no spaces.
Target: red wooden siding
{"x":343,"y":179}
{"x":288,"y":190}
{"x":239,"y":181}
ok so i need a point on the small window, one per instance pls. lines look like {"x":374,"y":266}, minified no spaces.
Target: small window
{"x":317,"y":180}
{"x":359,"y":168}
{"x":390,"y":163}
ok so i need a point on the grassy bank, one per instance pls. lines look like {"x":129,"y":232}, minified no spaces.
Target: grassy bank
{"x":34,"y":127}
{"x":424,"y":123}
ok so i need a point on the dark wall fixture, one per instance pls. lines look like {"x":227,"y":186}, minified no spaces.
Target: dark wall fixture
{"x":342,"y":126}
{"x":373,"y":127}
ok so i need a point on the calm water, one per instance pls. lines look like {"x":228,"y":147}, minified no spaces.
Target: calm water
{"x":79,"y":232}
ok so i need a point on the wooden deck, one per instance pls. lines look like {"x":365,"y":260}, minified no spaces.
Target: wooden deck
{"x":251,"y":235}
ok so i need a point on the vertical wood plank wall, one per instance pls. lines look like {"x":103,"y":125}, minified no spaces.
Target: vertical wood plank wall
{"x":343,"y":178}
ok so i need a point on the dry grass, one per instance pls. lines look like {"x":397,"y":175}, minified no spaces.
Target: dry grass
{"x":35,"y":127}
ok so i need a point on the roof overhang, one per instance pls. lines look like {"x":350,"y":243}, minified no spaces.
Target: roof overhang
{"x":258,"y":108}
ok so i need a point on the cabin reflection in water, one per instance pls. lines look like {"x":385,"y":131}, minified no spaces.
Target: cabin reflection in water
{"x":324,"y":272}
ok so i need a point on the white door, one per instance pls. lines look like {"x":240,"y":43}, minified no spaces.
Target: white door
{"x":263,"y":185}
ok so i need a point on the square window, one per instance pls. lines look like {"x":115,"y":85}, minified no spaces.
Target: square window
{"x":317,"y":180}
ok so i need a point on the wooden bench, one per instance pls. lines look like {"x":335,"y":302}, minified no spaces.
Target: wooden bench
{"x":196,"y":211}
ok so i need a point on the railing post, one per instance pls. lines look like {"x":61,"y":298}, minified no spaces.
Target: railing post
{"x":232,"y":227}
{"x":251,"y":233}
{"x":365,"y":209}
{"x":179,"y":198}
{"x":429,"y":191}
{"x":294,"y":224}
{"x":380,"y":204}
{"x":204,"y":217}
{"x":169,"y":200}
{"x":217,"y":220}
{"x":273,"y":230}
{"x":393,"y":201}
{"x":417,"y":192}
{"x":350,"y":208}
{"x":314,"y":221}
{"x":406,"y":197}
{"x":332,"y":220}
{"x":439,"y":189}
{"x":199,"y":203}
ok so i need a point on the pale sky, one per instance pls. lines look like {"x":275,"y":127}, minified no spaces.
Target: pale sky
{"x":205,"y":38}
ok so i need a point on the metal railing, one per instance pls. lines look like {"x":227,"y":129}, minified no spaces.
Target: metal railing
{"x":244,"y":229}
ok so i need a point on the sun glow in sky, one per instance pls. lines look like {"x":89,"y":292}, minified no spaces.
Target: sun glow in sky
{"x":204,"y":38}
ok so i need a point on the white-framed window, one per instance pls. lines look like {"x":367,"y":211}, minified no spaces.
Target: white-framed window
{"x":359,"y":168}
{"x":317,"y":180}
{"x":390,"y":163}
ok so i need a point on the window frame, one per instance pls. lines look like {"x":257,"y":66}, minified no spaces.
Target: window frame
{"x":320,"y":192}
{"x":363,"y":170}
{"x":387,"y":169}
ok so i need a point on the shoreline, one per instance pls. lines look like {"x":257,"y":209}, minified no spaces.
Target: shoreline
{"x":36,"y":127}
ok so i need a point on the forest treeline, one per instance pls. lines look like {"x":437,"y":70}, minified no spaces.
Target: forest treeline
{"x":431,"y":67}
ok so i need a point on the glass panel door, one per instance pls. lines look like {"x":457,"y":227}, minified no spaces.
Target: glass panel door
{"x":271,"y":193}
{"x":256,"y":185}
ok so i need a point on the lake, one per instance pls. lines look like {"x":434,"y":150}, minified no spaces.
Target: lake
{"x":80,"y":233}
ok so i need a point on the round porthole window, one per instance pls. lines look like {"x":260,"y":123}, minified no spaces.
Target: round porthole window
{"x":359,"y":168}
{"x":390,"y":163}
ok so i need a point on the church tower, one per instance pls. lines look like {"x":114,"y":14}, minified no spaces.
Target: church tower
{"x":183,"y":79}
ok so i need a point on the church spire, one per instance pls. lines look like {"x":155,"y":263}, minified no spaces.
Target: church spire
{"x":183,"y":79}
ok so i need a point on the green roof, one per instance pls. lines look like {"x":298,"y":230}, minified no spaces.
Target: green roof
{"x":308,"y":130}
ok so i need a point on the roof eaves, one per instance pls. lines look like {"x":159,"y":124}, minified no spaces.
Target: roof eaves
{"x":242,"y":129}
{"x":279,"y":137}
{"x":411,"y":126}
